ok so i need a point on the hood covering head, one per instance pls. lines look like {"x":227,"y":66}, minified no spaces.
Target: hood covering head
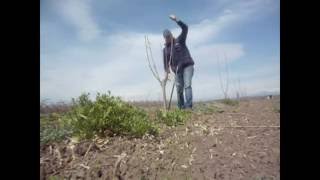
{"x":167,"y":33}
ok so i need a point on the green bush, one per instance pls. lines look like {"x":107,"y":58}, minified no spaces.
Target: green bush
{"x":173,"y":117}
{"x":107,"y":114}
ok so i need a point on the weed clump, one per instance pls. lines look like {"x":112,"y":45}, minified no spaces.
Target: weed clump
{"x":106,"y":115}
{"x":51,"y":129}
{"x":173,"y":117}
{"x":207,"y":108}
{"x":230,"y":102}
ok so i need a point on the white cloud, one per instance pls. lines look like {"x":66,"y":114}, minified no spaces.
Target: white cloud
{"x":78,"y":13}
{"x":249,"y":6}
{"x":206,"y":86}
{"x":234,"y":12}
{"x":121,"y":68}
{"x":212,"y":54}
{"x":118,"y":62}
{"x":207,"y":29}
{"x":227,"y":11}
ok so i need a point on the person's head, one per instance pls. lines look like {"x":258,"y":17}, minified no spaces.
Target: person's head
{"x":167,"y":35}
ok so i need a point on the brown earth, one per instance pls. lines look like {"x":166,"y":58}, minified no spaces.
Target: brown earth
{"x":237,"y":142}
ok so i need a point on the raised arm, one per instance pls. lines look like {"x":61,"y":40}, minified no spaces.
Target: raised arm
{"x":184,"y":27}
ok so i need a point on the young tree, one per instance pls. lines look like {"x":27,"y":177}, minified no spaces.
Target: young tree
{"x":224,"y":85}
{"x":153,"y":68}
{"x":237,"y":89}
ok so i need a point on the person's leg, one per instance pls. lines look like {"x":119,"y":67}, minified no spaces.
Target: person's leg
{"x":179,"y":85}
{"x":187,"y":79}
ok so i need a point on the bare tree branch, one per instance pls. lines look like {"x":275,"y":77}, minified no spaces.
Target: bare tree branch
{"x":227,"y":71}
{"x":224,"y":88}
{"x":154,"y":64}
{"x":155,"y":72}
{"x":148,"y":59}
{"x":219,"y":72}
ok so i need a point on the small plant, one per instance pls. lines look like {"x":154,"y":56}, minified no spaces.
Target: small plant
{"x":276,"y":107}
{"x":173,"y":117}
{"x":107,"y":114}
{"x":263,"y":178}
{"x":230,"y":102}
{"x":54,"y":178}
{"x":51,"y":129}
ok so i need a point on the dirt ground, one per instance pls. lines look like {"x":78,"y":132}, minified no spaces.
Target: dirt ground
{"x":236,"y":142}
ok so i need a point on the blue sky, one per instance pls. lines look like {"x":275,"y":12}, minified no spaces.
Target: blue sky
{"x":95,"y":46}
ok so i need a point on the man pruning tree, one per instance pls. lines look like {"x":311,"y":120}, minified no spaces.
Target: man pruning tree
{"x":176,"y":55}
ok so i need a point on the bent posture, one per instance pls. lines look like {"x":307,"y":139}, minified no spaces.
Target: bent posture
{"x":177,"y":57}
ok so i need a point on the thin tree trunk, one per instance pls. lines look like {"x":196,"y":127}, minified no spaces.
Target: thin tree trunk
{"x":165,"y":106}
{"x":155,"y":73}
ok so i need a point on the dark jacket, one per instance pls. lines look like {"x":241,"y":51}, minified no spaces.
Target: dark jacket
{"x":181,"y":57}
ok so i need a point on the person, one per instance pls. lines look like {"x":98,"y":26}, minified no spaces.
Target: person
{"x":177,"y":56}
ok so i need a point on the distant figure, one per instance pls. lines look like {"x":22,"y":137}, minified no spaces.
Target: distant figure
{"x":269,"y":97}
{"x":181,"y":63}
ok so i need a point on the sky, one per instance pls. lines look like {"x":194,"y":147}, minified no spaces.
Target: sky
{"x":94,"y":46}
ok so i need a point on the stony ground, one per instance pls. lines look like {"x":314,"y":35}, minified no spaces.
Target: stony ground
{"x":218,"y":142}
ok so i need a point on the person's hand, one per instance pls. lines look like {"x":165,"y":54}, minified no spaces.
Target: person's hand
{"x":165,"y":77}
{"x":173,"y":17}
{"x":170,"y":77}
